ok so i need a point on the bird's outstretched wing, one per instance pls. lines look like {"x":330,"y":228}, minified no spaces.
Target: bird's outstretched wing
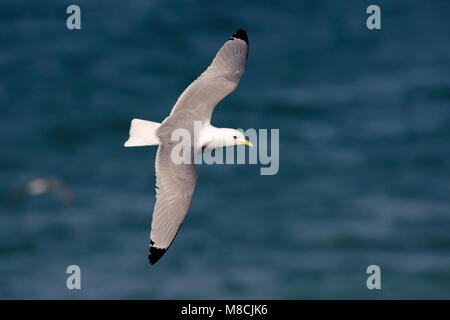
{"x":218,"y":80}
{"x":175,"y":184}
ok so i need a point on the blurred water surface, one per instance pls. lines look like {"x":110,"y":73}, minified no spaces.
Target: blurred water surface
{"x":364,"y":150}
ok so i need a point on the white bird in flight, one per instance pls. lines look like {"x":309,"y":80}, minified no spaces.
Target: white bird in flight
{"x":175,"y":183}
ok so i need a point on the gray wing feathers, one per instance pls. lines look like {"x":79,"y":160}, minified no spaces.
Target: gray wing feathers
{"x":218,"y":80}
{"x":175,"y":186}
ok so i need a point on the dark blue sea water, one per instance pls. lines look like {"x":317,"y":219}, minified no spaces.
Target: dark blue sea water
{"x":364,"y":119}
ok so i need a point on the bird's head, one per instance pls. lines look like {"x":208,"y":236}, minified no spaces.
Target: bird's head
{"x":234,"y":137}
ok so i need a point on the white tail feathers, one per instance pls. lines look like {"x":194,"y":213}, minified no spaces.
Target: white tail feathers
{"x":142,"y":133}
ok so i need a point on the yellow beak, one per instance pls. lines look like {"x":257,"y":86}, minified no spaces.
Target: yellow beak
{"x":248,"y":143}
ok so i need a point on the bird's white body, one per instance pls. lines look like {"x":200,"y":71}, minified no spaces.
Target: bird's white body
{"x":144,"y":133}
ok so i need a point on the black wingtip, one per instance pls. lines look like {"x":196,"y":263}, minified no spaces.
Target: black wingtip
{"x":240,"y":34}
{"x":155,"y":254}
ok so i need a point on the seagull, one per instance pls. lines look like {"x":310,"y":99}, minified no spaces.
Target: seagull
{"x":43,"y":185}
{"x":175,"y":182}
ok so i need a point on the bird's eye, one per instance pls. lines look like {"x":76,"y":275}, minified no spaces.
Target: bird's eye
{"x":234,"y":137}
